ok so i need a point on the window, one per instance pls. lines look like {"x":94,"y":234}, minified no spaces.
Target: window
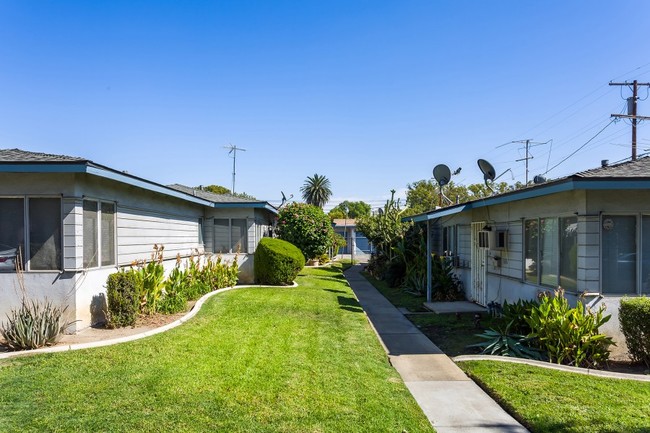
{"x":449,"y":241}
{"x":550,"y":252}
{"x":645,"y":255}
{"x":619,"y":262}
{"x":39,"y":221}
{"x":12,"y":232}
{"x":201,"y":231}
{"x":230,"y":235}
{"x":98,"y":233}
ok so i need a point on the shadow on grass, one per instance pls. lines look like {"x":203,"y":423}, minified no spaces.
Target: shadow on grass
{"x":335,"y":291}
{"x":349,"y":304}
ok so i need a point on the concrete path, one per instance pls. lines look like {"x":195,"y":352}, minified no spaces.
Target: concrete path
{"x":452,"y":402}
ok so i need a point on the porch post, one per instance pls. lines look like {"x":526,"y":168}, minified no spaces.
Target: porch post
{"x":428,"y":261}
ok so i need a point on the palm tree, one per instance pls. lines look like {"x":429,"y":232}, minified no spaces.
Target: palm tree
{"x":316,"y":190}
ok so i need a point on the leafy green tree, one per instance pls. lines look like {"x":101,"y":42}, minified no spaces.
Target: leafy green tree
{"x":316,"y":190}
{"x":307,"y":227}
{"x":350,"y":209}
{"x":422,"y":195}
{"x":218,"y":189}
{"x":386,"y":228}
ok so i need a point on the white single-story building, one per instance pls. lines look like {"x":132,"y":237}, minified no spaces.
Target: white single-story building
{"x":588,"y":233}
{"x":72,"y":222}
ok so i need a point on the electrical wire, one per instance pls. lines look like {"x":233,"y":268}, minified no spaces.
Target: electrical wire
{"x":578,"y":149}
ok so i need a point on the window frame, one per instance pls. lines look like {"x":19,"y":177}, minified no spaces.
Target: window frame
{"x":230,"y":238}
{"x":557,"y":261}
{"x":638,"y":239}
{"x":26,"y":245}
{"x":98,"y":238}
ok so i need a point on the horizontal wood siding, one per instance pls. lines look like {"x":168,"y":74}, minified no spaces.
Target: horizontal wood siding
{"x":512,"y":256}
{"x":589,"y":254}
{"x":139,"y":230}
{"x":464,"y":244}
{"x":72,"y":234}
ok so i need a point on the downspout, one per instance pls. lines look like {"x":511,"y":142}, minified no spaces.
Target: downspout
{"x":428,"y":261}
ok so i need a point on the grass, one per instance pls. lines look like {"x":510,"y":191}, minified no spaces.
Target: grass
{"x":397,"y":296}
{"x":451,"y":333}
{"x":253,"y":360}
{"x":553,"y":401}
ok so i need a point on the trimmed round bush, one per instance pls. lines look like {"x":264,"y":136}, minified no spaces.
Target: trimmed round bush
{"x":634,"y":317}
{"x":307,"y":227}
{"x":277,"y":262}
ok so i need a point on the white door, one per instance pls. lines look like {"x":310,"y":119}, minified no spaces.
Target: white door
{"x":478,"y":267}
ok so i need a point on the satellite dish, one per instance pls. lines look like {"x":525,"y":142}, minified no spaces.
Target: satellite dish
{"x":488,"y":170}
{"x":442,"y":174}
{"x":539,"y":179}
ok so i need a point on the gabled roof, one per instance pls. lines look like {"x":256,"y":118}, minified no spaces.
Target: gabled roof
{"x":623,"y":176}
{"x":22,"y":161}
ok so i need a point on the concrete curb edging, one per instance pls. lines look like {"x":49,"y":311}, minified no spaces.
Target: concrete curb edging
{"x":101,"y":343}
{"x":551,"y":366}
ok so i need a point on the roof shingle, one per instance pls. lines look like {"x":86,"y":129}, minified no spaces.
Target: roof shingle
{"x":17,"y":155}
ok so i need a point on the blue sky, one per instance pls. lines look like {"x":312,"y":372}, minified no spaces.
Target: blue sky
{"x":372,"y":94}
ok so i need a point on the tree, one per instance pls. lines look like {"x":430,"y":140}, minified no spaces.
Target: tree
{"x":316,"y":190}
{"x":307,"y":227}
{"x":350,"y":209}
{"x":423,"y":195}
{"x":386,"y":228}
{"x":218,"y":189}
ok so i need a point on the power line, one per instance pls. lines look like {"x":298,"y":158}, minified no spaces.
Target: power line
{"x":578,"y":149}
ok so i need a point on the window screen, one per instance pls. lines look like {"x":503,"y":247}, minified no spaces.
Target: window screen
{"x":108,"y":233}
{"x":239,"y":239}
{"x":619,"y":254}
{"x":12,"y":231}
{"x":90,"y":234}
{"x":221,"y":235}
{"x":44,"y":233}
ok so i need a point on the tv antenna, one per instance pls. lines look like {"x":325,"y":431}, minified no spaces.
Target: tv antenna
{"x":443,"y":175}
{"x":233,"y":151}
{"x":489,"y":173}
{"x":528,"y":144}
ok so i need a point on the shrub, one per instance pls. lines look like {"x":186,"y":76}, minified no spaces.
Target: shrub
{"x":123,"y":297}
{"x":174,"y":297}
{"x":634,"y":317}
{"x":152,"y":275}
{"x":307,"y":227}
{"x":33,"y":325}
{"x":277,"y":262}
{"x":569,"y":335}
{"x":516,"y":313}
{"x":445,"y":285}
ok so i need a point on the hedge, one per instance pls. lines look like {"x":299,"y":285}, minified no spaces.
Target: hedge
{"x":277,"y":262}
{"x":122,"y":292}
{"x":634,"y":317}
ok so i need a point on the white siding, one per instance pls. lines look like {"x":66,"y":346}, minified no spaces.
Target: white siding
{"x":589,"y":254}
{"x":138,"y":230}
{"x":72,"y":234}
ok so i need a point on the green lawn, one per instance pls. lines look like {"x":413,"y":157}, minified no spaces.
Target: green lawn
{"x":555,"y":401}
{"x":397,"y":296}
{"x":253,"y":360}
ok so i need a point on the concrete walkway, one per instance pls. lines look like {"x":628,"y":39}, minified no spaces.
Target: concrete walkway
{"x":452,"y":402}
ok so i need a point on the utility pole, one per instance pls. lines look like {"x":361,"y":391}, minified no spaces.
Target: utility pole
{"x":631,"y":110}
{"x":529,"y":143}
{"x":233,"y":152}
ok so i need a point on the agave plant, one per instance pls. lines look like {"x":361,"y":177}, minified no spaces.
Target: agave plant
{"x":34,"y":324}
{"x":503,"y":343}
